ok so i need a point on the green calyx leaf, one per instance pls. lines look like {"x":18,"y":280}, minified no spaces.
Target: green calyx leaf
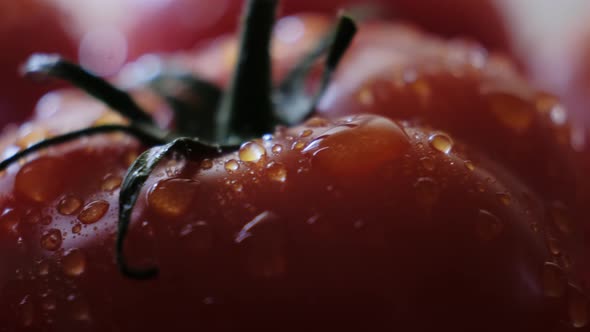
{"x":292,"y":102}
{"x":43,"y":65}
{"x":194,"y":102}
{"x":136,"y":177}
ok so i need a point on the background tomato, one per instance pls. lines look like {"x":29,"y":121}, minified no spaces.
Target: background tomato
{"x":26,"y":27}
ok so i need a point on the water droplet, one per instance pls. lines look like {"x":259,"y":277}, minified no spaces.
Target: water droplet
{"x":206,"y":164}
{"x":40,"y":180}
{"x":51,"y":240}
{"x":469,"y":165}
{"x":372,"y":143}
{"x":251,"y":152}
{"x":232,"y":165}
{"x":427,"y":192}
{"x":578,"y":307}
{"x":74,"y":263}
{"x":172,"y":197}
{"x":277,"y":172}
{"x":298,"y":145}
{"x":554,"y":280}
{"x":428,"y":163}
{"x":561,"y":219}
{"x":277,"y":149}
{"x":93,"y":212}
{"x":306,"y":133}
{"x":489,"y":226}
{"x":504,"y":198}
{"x":316,"y":122}
{"x":238,"y":187}
{"x":77,"y":228}
{"x":111,"y":183}
{"x":69,"y":205}
{"x":441,"y":142}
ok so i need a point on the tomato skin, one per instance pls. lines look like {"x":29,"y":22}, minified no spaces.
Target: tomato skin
{"x":26,"y":27}
{"x":192,"y":22}
{"x":351,"y":221}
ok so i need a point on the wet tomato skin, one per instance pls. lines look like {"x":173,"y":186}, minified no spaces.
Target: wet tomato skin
{"x":400,"y":219}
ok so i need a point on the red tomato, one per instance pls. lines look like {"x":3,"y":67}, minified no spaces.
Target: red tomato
{"x":192,"y":21}
{"x":431,"y":192}
{"x":26,"y":27}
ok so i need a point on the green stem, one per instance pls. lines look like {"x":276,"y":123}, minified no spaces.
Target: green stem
{"x":246,"y":110}
{"x":55,"y":66}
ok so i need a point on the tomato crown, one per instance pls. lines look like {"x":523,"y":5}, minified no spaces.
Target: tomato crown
{"x":218,"y":124}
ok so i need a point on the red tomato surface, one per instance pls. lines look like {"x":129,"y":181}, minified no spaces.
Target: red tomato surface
{"x":432,"y":191}
{"x":26,"y":26}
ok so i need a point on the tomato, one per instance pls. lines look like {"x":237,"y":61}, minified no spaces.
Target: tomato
{"x":25,"y":27}
{"x":192,"y":21}
{"x":430,"y":191}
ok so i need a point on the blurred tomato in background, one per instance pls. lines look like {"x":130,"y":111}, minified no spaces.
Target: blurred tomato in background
{"x":27,"y":26}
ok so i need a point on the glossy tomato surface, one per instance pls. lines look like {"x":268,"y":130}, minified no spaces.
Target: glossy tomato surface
{"x":26,"y":27}
{"x":431,"y":191}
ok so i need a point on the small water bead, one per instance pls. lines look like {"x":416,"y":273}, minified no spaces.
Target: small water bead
{"x":316,"y":122}
{"x":74,"y":263}
{"x":299,"y":145}
{"x":469,"y":165}
{"x":277,"y":149}
{"x":206,"y":164}
{"x":489,"y":226}
{"x":372,"y":142}
{"x":423,"y":90}
{"x":504,"y":198}
{"x":441,"y":142}
{"x":553,"y":245}
{"x":579,"y":307}
{"x":40,"y":180}
{"x":51,"y":240}
{"x":554,"y":280}
{"x":277,"y":172}
{"x":306,"y":133}
{"x":77,"y":228}
{"x":251,"y":152}
{"x":69,"y":205}
{"x":43,"y":268}
{"x":232,"y":165}
{"x":172,"y":197}
{"x":93,"y":212}
{"x":111,"y":182}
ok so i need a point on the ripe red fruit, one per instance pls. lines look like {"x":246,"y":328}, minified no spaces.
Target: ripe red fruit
{"x":191,"y":21}
{"x":397,"y":220}
{"x":26,"y":27}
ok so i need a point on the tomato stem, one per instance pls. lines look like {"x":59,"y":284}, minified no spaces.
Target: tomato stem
{"x":43,"y":65}
{"x":247,"y":110}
